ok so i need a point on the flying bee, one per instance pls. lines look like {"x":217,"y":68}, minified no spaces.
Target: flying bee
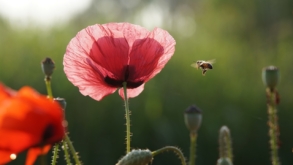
{"x":204,"y":65}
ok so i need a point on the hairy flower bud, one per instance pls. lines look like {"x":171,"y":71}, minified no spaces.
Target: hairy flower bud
{"x":225,"y":143}
{"x":136,"y":157}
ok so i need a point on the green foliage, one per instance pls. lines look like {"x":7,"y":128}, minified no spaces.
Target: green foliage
{"x":242,"y":36}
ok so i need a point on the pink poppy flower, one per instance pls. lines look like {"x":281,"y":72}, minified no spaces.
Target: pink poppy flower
{"x":101,"y":57}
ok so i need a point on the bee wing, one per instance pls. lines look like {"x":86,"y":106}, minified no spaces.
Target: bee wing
{"x":195,"y":65}
{"x":211,"y":61}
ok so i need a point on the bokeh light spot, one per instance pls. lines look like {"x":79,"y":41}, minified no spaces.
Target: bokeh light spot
{"x":13,"y":156}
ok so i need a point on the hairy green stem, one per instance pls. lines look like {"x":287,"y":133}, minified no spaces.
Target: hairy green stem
{"x":73,"y":152}
{"x":55,"y":154}
{"x":66,"y":154}
{"x":192,"y":156}
{"x":127,"y":115}
{"x":176,"y":150}
{"x":273,"y":126}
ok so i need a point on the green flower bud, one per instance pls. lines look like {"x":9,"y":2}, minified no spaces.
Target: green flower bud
{"x":192,"y":118}
{"x":61,"y":101}
{"x":48,"y":66}
{"x":225,"y":143}
{"x":270,"y":76}
{"x":136,"y":157}
{"x":224,"y":161}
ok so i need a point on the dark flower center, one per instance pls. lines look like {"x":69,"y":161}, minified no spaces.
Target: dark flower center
{"x":48,"y":133}
{"x":119,"y":83}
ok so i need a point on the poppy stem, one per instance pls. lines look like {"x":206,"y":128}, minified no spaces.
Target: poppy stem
{"x":193,"y":137}
{"x":176,"y":150}
{"x":49,"y":89}
{"x":55,"y":153}
{"x":273,"y":126}
{"x":73,"y":152}
{"x":66,"y":154}
{"x":127,"y":115}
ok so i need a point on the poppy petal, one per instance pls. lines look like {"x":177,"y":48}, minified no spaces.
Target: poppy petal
{"x":131,"y":92}
{"x":130,"y":32}
{"x":96,"y":91}
{"x":5,"y":92}
{"x":16,"y":141}
{"x":109,"y":49}
{"x":149,"y":55}
{"x":29,"y":119}
{"x":86,"y":78}
{"x":4,"y":157}
{"x":91,"y":56}
{"x":49,"y":116}
{"x":34,"y":152}
{"x":168,"y":43}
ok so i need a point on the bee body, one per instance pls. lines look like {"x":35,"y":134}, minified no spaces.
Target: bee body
{"x":203,"y":65}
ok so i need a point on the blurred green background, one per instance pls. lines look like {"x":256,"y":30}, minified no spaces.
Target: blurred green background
{"x":243,"y":36}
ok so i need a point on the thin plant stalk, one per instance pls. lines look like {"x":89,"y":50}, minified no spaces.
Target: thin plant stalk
{"x":55,"y":154}
{"x":73,"y":152}
{"x":192,"y":156}
{"x":66,"y":154}
{"x":127,"y":115}
{"x":48,"y":86}
{"x":176,"y":150}
{"x":273,"y":126}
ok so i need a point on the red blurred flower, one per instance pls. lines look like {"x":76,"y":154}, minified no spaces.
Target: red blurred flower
{"x":28,"y":120}
{"x":101,"y":57}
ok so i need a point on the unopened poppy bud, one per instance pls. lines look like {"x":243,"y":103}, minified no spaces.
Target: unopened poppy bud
{"x":136,"y":157}
{"x":225,"y":143}
{"x":192,"y":118}
{"x":48,"y":66}
{"x":270,"y":76}
{"x":61,"y":102}
{"x":224,"y":161}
